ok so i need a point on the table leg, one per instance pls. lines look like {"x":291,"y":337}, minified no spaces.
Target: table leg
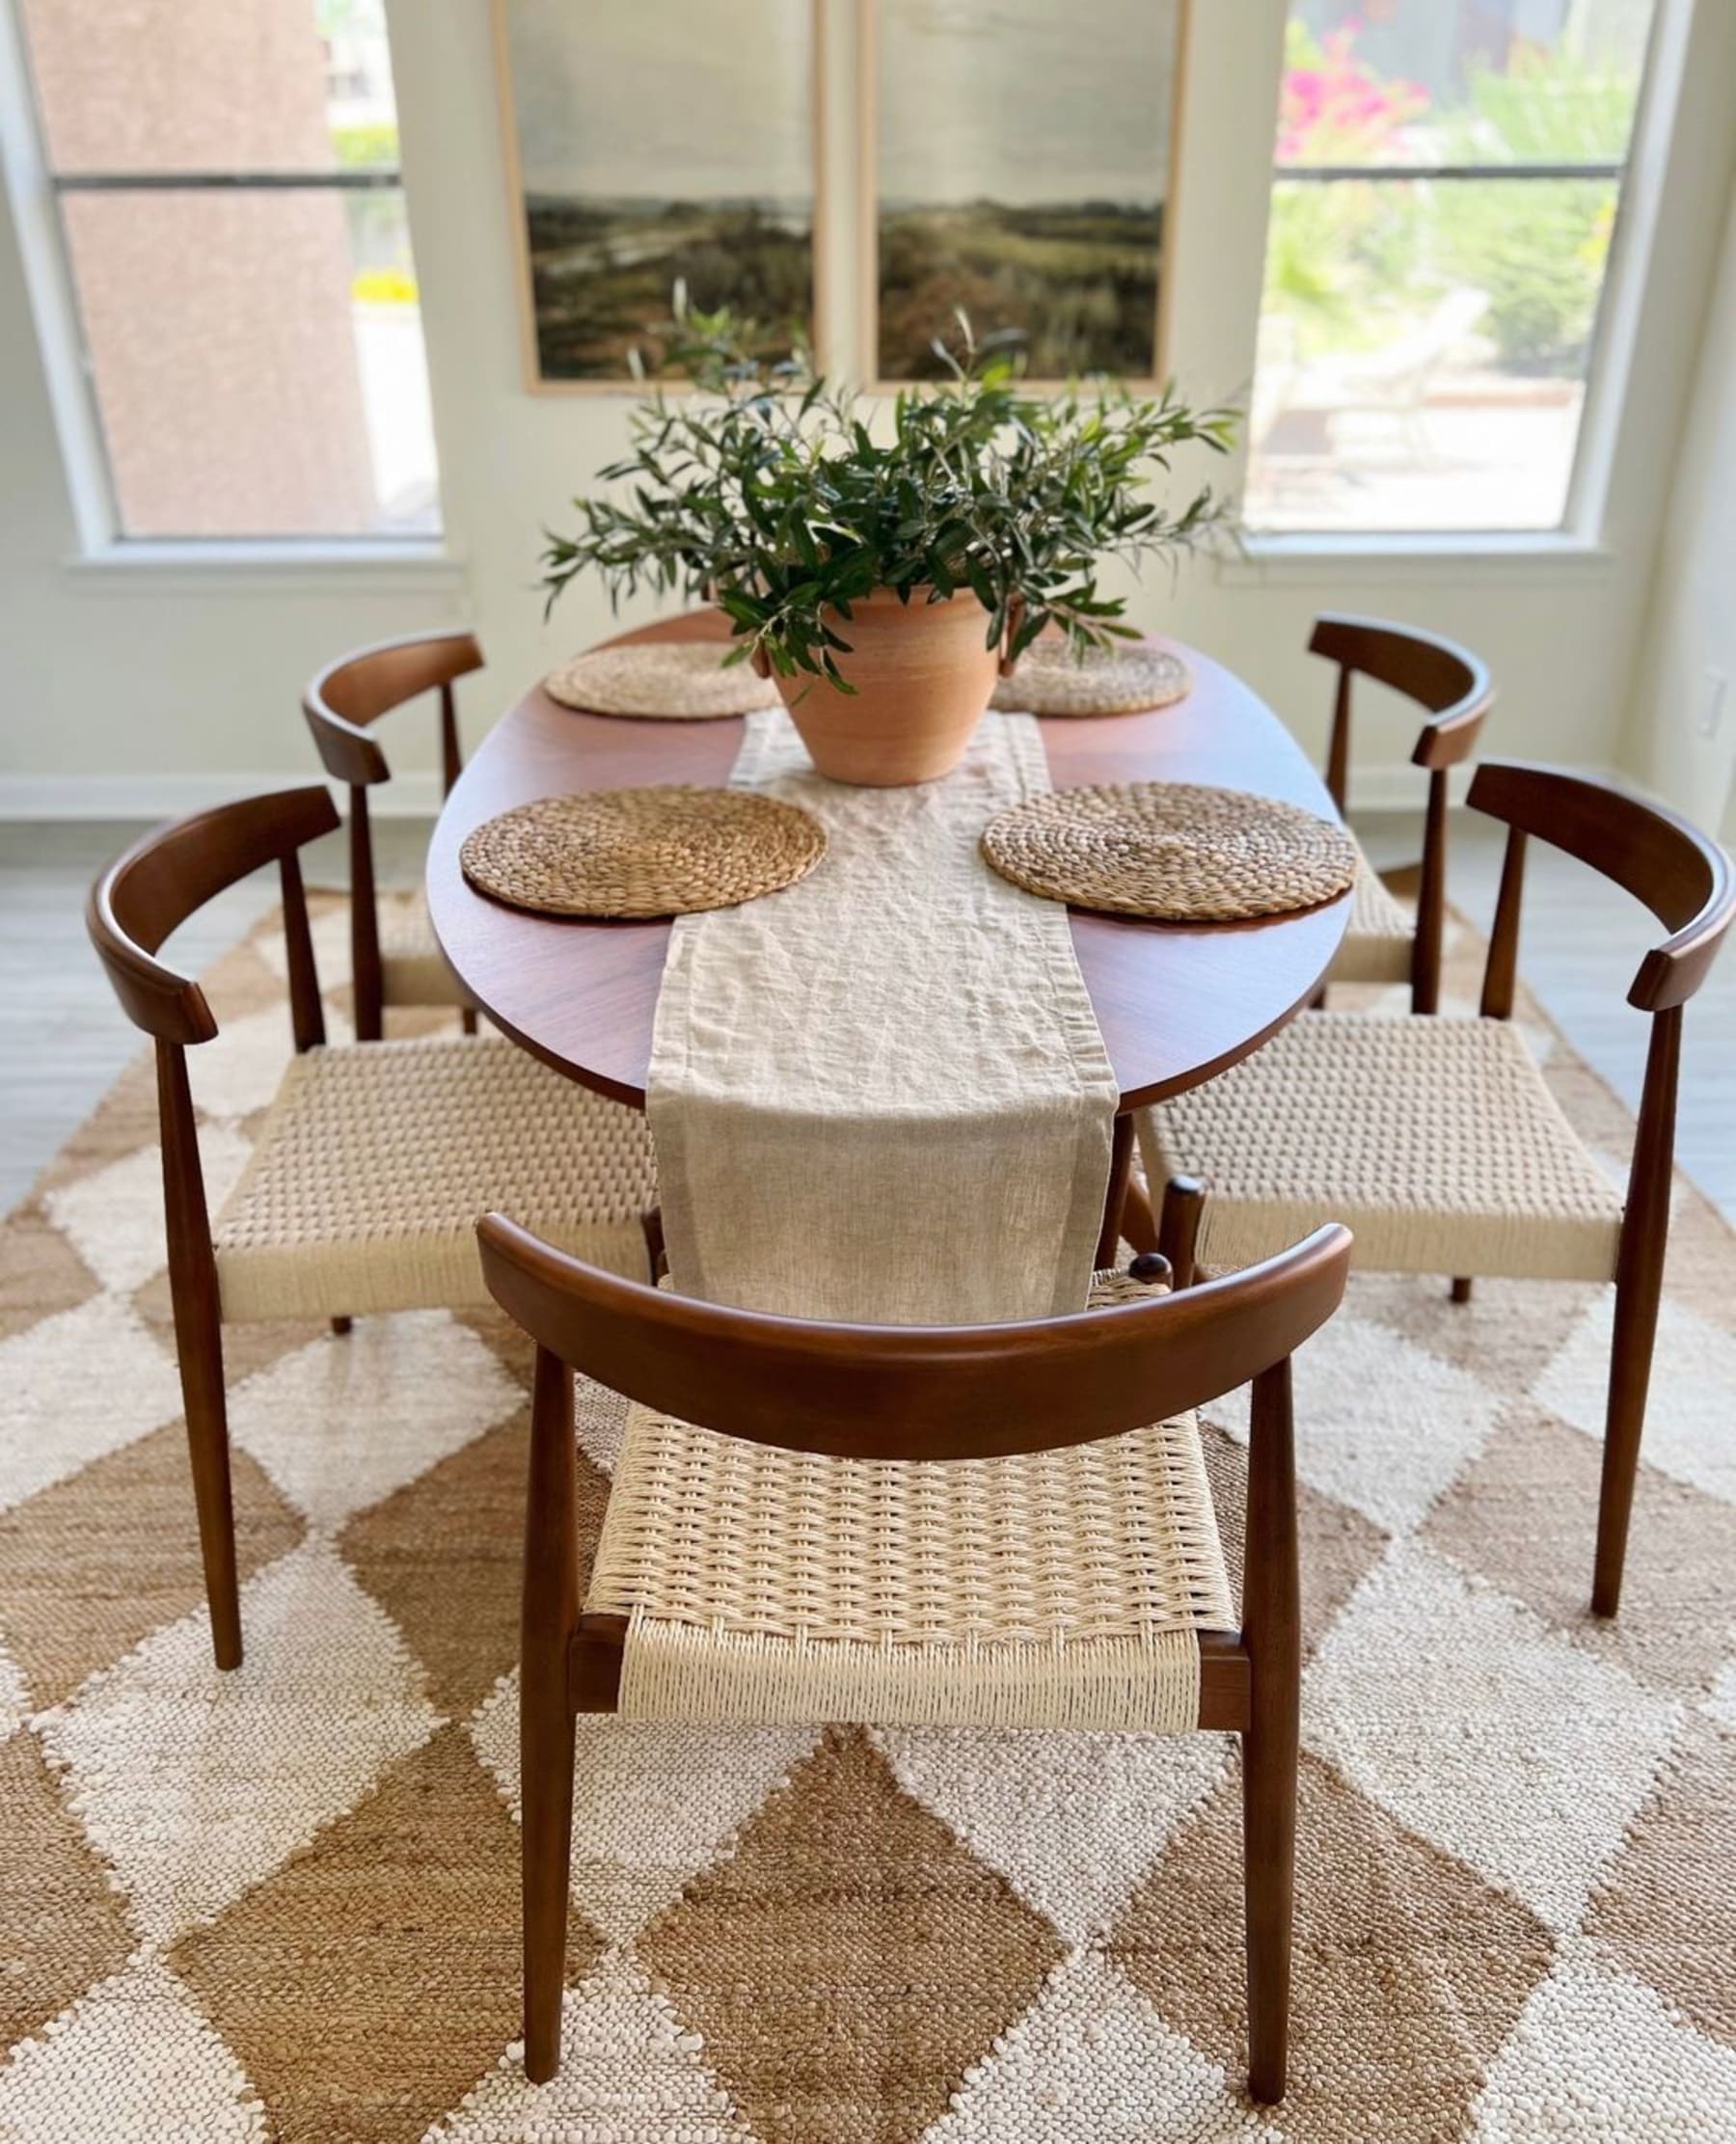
{"x":1120,"y":1174}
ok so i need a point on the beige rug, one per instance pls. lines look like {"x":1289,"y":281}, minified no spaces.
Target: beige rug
{"x":283,"y":1903}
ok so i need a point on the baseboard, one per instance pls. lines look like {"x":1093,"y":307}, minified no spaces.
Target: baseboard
{"x":152,"y":798}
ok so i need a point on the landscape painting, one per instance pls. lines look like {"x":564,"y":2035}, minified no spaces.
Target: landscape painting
{"x":657,"y":143}
{"x":1022,"y":153}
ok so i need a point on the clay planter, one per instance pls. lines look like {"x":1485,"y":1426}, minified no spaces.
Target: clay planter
{"x":922,"y":677}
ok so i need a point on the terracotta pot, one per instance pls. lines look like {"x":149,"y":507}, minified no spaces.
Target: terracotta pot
{"x":922,"y":677}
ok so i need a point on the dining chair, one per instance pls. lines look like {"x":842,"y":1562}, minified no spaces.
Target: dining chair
{"x":372,"y":1162}
{"x":1003,"y":1526}
{"x":1381,"y":943}
{"x":1438,"y":1141}
{"x":399,"y":961}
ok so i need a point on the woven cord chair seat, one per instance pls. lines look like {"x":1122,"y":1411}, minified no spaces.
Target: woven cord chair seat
{"x":1435,"y":1140}
{"x":413,"y":969}
{"x":1050,"y":1590}
{"x":375,"y":1161}
{"x":1379,"y":939}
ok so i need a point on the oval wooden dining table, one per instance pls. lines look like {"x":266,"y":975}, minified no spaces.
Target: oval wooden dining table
{"x":1176,"y":1003}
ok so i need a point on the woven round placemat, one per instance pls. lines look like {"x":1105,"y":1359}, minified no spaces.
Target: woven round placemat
{"x":671,"y":681}
{"x":1176,"y":852}
{"x":641,"y":852}
{"x":1051,"y":679}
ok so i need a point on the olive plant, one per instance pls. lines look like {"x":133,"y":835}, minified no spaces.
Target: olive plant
{"x":763,"y":489}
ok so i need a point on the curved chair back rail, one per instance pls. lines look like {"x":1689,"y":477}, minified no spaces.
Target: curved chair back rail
{"x":1437,"y":673}
{"x":890,"y":1392}
{"x":342,"y":704}
{"x":1661,"y":858}
{"x":1454,"y":685}
{"x":171,"y":873}
{"x":348,"y":697}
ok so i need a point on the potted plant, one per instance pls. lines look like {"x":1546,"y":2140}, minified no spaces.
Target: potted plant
{"x":880,"y":581}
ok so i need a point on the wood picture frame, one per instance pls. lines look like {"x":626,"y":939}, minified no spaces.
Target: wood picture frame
{"x":812,"y":16}
{"x":868,"y":241}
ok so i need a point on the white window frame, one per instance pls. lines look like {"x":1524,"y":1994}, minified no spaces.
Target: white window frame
{"x":1214,"y":275}
{"x":103,"y":546}
{"x":1580,"y":544}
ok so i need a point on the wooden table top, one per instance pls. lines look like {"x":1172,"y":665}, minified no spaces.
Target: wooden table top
{"x":1176,"y":1003}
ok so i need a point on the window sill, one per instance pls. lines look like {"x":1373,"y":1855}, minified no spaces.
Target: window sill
{"x":148,"y":567}
{"x":1442,"y":559}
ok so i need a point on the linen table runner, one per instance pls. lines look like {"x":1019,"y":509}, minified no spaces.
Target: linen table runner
{"x":881,"y":1095}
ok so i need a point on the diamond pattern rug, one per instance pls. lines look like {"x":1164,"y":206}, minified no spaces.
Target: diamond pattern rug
{"x":281,"y":1903}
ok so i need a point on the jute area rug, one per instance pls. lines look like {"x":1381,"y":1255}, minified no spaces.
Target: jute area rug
{"x":282,"y":1903}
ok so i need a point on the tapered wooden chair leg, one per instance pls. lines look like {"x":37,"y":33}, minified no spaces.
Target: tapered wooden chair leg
{"x":340,"y":1326}
{"x":1268,"y":1873}
{"x":1624,"y":1422}
{"x":1639,"y":1286}
{"x":1272,"y":1632}
{"x":1461,"y":1289}
{"x":1178,"y":1227}
{"x":550,"y":1614}
{"x":466,"y":1020}
{"x":546,"y":1756}
{"x":207,"y":1447}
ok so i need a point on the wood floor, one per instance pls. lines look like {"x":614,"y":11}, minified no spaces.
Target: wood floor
{"x":66,"y":1039}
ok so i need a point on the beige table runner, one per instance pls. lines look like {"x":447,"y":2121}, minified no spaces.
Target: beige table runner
{"x":881,"y":1095}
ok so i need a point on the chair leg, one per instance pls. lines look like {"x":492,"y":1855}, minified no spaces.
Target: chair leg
{"x":341,"y":1325}
{"x":1178,"y":1227}
{"x":1269,"y":1875}
{"x":1138,"y":1224}
{"x":551,"y":1615}
{"x":546,"y":1749}
{"x":1624,"y":1422}
{"x":466,"y":1020}
{"x":1272,"y":1634}
{"x":200,"y":1344}
{"x":1461,"y":1289}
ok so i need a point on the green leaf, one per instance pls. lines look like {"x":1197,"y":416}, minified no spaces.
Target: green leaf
{"x":765,"y":485}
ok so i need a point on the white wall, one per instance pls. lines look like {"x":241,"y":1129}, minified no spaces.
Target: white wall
{"x":181,"y":682}
{"x":140,"y":689}
{"x":1681,"y":740}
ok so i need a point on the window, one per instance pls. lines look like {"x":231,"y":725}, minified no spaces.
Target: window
{"x":1448,"y":182}
{"x":225,"y":178}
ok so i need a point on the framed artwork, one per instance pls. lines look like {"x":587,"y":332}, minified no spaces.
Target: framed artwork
{"x":1019,"y":164}
{"x":651,"y":142}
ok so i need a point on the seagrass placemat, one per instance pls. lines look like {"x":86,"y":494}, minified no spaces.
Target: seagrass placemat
{"x":676,"y":681}
{"x":1176,"y":852}
{"x":1051,"y":679}
{"x":641,"y":852}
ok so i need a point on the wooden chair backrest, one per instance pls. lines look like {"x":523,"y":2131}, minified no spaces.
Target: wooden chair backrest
{"x":342,"y":705}
{"x":348,"y":697}
{"x":1454,"y":686}
{"x":1448,"y":680}
{"x":896,"y":1391}
{"x":171,"y":873}
{"x":1663,"y":861}
{"x":134,"y":906}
